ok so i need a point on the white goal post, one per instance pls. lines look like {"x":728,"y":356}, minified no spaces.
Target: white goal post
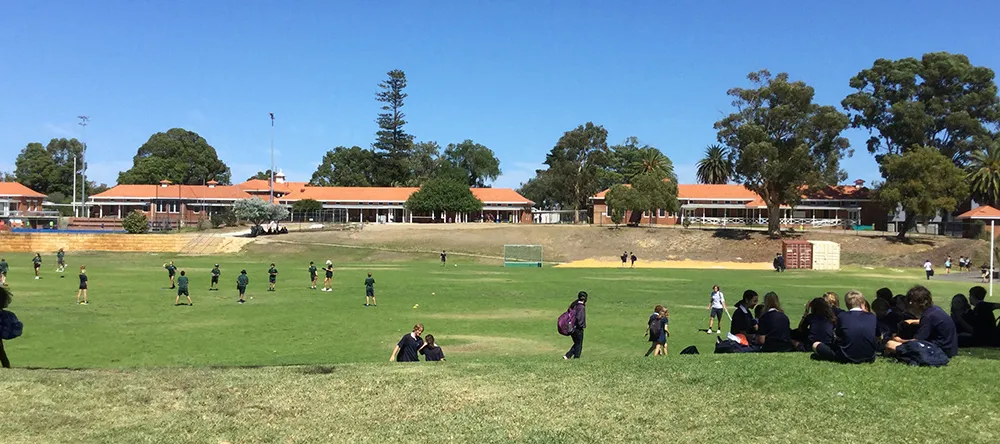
{"x":522,"y":255}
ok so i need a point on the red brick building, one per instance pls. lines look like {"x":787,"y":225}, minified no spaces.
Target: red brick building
{"x":21,"y":206}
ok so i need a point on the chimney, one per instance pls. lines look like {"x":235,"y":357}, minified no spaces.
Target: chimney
{"x":860,"y":183}
{"x":212,"y":183}
{"x":164,"y":183}
{"x":280,"y":177}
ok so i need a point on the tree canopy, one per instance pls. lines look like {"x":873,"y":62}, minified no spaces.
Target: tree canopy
{"x":178,"y":155}
{"x":257,"y":211}
{"x":261,"y":175}
{"x":345,"y":167}
{"x":307,"y":205}
{"x":49,"y":169}
{"x":444,"y":195}
{"x":716,"y":167}
{"x":574,"y":164}
{"x":984,"y":174}
{"x":478,"y":162}
{"x":922,"y":181}
{"x":393,"y":145}
{"x":781,"y":141}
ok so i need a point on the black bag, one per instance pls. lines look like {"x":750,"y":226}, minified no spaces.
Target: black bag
{"x":690,"y":350}
{"x":921,"y":353}
{"x":10,"y":326}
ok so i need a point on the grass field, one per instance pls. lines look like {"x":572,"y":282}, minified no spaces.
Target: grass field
{"x":306,"y":366}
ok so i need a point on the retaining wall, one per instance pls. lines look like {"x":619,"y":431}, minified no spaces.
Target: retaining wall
{"x":158,"y":243}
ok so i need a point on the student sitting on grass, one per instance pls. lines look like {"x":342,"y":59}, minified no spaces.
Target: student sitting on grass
{"x":774,"y":333}
{"x":884,"y":293}
{"x":834,"y":301}
{"x":855,"y":339}
{"x":984,"y":324}
{"x":934,"y":326}
{"x":961,"y":315}
{"x":758,"y":311}
{"x":817,"y":325}
{"x":887,"y":322}
{"x":744,"y":322}
{"x":430,"y":350}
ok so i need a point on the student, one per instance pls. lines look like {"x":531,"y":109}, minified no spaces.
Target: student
{"x":624,"y":259}
{"x":884,"y":293}
{"x":430,"y":350}
{"x":962,"y":316}
{"x":744,"y":322}
{"x":328,"y":280}
{"x":855,"y":339}
{"x":370,"y":291}
{"x":408,"y":346}
{"x":776,"y":263}
{"x":887,"y":319}
{"x":928,"y":269}
{"x":5,"y":298}
{"x":632,"y":255}
{"x":182,"y":289}
{"x":947,"y":265}
{"x":3,"y":271}
{"x":817,"y":325}
{"x":716,"y":304}
{"x":82,"y":292}
{"x":313,"y":275}
{"x":272,"y":277}
{"x":654,"y":329}
{"x":241,"y":284}
{"x":444,"y":257}
{"x":984,"y":322}
{"x":934,"y":325}
{"x":37,"y":261}
{"x":61,"y":260}
{"x":171,"y":271}
{"x":215,"y":278}
{"x":579,"y":309}
{"x":774,"y":333}
{"x":900,"y":307}
{"x":834,"y":301}
{"x":758,"y":311}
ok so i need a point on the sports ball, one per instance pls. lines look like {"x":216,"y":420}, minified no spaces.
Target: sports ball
{"x":416,"y":305}
{"x":432,"y":293}
{"x":456,"y":265}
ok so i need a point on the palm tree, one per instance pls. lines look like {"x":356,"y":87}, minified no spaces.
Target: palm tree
{"x":651,"y":160}
{"x":984,"y":174}
{"x":716,"y":167}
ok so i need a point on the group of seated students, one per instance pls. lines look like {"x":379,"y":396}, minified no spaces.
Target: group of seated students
{"x":895,"y":326}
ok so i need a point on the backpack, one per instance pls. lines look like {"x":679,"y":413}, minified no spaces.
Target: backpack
{"x":921,"y":353}
{"x":655,"y":328}
{"x":690,"y":350}
{"x":10,"y":327}
{"x":566,"y":323}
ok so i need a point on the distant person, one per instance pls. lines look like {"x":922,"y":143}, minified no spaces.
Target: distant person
{"x":241,"y":284}
{"x":855,"y":341}
{"x":984,"y":322}
{"x":61,"y":260}
{"x":82,"y":292}
{"x":744,"y":322}
{"x":656,"y":332}
{"x":328,"y":280}
{"x":370,"y":292}
{"x":817,"y":325}
{"x":834,"y":301}
{"x":9,"y":325}
{"x":37,"y":261}
{"x":774,"y":333}
{"x":430,"y":350}
{"x":779,"y":263}
{"x":3,"y":271}
{"x":963,"y":317}
{"x":934,"y":326}
{"x":716,"y":305}
{"x":579,"y":309}
{"x":928,"y":269}
{"x":313,"y":275}
{"x":444,"y":257}
{"x":171,"y":271}
{"x":182,"y":290}
{"x":624,"y":259}
{"x":632,"y":256}
{"x":216,"y":272}
{"x":408,"y":346}
{"x":272,"y":277}
{"x":947,"y":265}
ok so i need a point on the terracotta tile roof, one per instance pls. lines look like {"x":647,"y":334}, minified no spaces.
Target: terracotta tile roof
{"x":392,"y":194}
{"x":981,"y":212}
{"x":223,"y":192}
{"x":498,"y":195}
{"x":261,"y":185}
{"x":15,"y":189}
{"x":740,"y":193}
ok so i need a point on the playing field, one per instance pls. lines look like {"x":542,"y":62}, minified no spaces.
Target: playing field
{"x":299,"y":365}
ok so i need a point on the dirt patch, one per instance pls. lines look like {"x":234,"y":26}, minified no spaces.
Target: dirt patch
{"x":687,"y":263}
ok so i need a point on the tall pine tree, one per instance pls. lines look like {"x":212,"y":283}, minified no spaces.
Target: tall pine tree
{"x":393,"y":145}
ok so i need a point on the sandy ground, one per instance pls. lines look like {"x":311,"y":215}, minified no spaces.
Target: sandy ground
{"x":687,"y":263}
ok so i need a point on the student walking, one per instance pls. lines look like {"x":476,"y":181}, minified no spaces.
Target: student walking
{"x":82,"y":292}
{"x":328,"y":281}
{"x":632,"y":256}
{"x":3,"y":271}
{"x":37,"y":261}
{"x":444,"y":257}
{"x":241,"y":284}
{"x":947,"y":265}
{"x":716,"y":305}
{"x":272,"y":277}
{"x":579,"y":309}
{"x":370,"y":293}
{"x":61,"y":261}
{"x":171,"y":271}
{"x":9,"y":325}
{"x":312,"y":275}
{"x":215,"y":278}
{"x":657,"y":331}
{"x":182,"y":289}
{"x":624,"y":259}
{"x":928,"y":269}
{"x":408,"y":346}
{"x":430,"y":350}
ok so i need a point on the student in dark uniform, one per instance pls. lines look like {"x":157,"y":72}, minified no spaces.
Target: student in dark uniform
{"x":855,"y":342}
{"x":774,"y":332}
{"x":215,"y":278}
{"x":61,"y":260}
{"x":632,"y":256}
{"x":370,"y":293}
{"x":743,"y":321}
{"x":431,"y":351}
{"x":5,"y":298}
{"x":171,"y":271}
{"x":934,"y":325}
{"x":182,"y":289}
{"x":328,"y":281}
{"x":37,"y":261}
{"x":313,"y":275}
{"x":272,"y":277}
{"x":82,"y":292}
{"x":3,"y":271}
{"x":624,"y":258}
{"x":888,"y":321}
{"x":241,"y":284}
{"x":579,"y":308}
{"x":834,"y":301}
{"x":984,"y":322}
{"x":817,"y":325}
{"x":444,"y":257}
{"x":654,"y":328}
{"x":407,"y":347}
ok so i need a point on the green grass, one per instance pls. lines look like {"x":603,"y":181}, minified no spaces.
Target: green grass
{"x":307,"y":366}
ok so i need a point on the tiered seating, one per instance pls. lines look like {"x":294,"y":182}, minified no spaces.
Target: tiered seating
{"x":93,"y":223}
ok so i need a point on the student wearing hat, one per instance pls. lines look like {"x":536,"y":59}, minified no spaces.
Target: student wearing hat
{"x":215,"y":278}
{"x":241,"y":284}
{"x":579,"y":309}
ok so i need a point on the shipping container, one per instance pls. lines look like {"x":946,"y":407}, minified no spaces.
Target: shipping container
{"x":825,"y":255}
{"x":798,"y":254}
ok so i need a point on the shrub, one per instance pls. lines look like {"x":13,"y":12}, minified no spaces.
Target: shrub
{"x":217,"y":220}
{"x":136,"y":222}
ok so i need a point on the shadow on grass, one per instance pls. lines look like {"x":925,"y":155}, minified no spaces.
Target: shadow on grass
{"x":731,"y":234}
{"x":907,"y":241}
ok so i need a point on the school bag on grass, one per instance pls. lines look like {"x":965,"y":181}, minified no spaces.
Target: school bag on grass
{"x":10,"y":327}
{"x":921,"y":353}
{"x":566,"y":323}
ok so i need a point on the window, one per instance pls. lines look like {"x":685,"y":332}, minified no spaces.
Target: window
{"x":166,"y":207}
{"x":663,"y":213}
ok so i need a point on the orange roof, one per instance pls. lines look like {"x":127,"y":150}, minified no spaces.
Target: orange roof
{"x":739,"y":192}
{"x":981,"y":212}
{"x":15,"y":189}
{"x":393,"y":194}
{"x":223,"y":192}
{"x":261,"y":185}
{"x":500,"y":195}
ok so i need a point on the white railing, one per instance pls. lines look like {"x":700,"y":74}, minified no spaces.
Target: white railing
{"x":730,"y":221}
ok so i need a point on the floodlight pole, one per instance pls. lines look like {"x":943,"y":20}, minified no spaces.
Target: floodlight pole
{"x":84,"y":120}
{"x":270,"y":181}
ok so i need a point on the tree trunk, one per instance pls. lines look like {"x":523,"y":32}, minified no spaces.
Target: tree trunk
{"x":774,"y":220}
{"x":907,"y":224}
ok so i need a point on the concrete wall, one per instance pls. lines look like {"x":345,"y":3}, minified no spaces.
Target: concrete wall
{"x":162,"y":243}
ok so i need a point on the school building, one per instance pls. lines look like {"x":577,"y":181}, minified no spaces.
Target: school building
{"x":21,"y":206}
{"x":731,"y":205}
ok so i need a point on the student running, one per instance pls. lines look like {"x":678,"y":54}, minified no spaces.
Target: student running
{"x":61,"y":260}
{"x":328,"y":280}
{"x":171,"y":271}
{"x":430,"y":350}
{"x":241,"y":284}
{"x":37,"y":261}
{"x":312,"y":275}
{"x":215,"y":279}
{"x":408,"y":346}
{"x":370,"y":293}
{"x":182,"y":289}
{"x":928,"y":269}
{"x":82,"y":292}
{"x":716,"y":305}
{"x":272,"y":277}
{"x":3,"y":271}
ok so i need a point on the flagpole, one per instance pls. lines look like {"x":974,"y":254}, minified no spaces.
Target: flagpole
{"x":270,"y":181}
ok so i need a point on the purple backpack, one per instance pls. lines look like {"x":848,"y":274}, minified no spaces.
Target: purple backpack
{"x":567,"y":323}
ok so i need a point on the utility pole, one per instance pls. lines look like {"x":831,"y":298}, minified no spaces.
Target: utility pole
{"x":270,"y":181}
{"x":84,"y":120}
{"x":75,"y":212}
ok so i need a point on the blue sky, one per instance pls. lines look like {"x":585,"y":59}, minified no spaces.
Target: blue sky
{"x":512,"y":75}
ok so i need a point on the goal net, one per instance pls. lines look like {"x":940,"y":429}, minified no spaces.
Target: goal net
{"x":522,"y":255}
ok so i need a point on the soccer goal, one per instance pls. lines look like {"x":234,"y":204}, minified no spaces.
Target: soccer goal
{"x":522,"y":256}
